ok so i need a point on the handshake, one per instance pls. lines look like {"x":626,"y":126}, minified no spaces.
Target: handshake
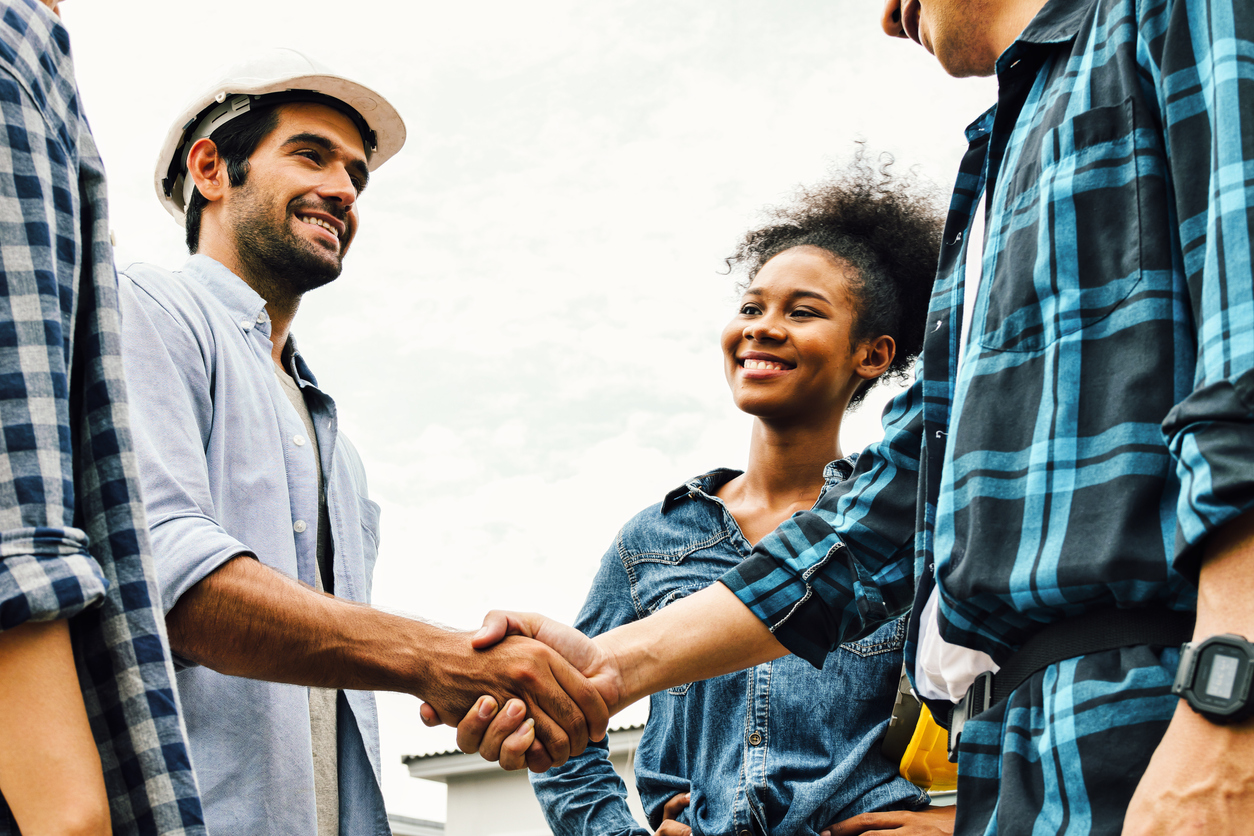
{"x":530,"y":691}
{"x":545,"y":690}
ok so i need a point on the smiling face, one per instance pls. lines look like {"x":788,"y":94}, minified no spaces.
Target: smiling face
{"x":788,"y":351}
{"x":295,"y":215}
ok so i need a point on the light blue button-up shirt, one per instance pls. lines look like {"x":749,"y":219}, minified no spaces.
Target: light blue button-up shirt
{"x":226,"y":470}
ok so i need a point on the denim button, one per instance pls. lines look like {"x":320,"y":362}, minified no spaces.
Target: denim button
{"x":755,"y":739}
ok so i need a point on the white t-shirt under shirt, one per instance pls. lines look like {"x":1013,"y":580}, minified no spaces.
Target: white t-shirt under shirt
{"x":944,"y":671}
{"x":322,"y":701}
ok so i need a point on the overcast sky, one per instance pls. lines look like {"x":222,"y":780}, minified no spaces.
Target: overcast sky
{"x":523,"y":344}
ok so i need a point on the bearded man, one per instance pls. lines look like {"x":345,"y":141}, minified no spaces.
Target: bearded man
{"x":262,"y":529}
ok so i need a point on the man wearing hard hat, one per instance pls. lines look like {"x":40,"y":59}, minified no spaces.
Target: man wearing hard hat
{"x":262,"y":531}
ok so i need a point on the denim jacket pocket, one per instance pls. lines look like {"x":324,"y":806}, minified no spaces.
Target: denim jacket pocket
{"x":887,"y":638}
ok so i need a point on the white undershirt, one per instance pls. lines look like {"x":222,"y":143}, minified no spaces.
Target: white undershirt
{"x":944,"y":671}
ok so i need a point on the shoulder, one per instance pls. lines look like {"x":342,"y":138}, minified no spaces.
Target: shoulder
{"x":155,"y":288}
{"x":35,"y":52}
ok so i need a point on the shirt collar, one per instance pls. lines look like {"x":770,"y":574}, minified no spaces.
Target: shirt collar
{"x":292,"y":356}
{"x":707,"y":484}
{"x":704,"y":485}
{"x":1057,"y":22}
{"x":245,"y":305}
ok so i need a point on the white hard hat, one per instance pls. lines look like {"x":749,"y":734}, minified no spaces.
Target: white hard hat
{"x":272,"y":77}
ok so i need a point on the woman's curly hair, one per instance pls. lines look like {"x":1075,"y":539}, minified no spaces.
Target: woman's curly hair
{"x":887,"y":226}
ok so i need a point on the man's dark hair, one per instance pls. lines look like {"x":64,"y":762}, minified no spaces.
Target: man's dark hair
{"x":236,"y":141}
{"x":887,"y":227}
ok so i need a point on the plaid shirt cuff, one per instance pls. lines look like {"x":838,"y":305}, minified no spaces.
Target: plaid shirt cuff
{"x":774,"y":594}
{"x":46,"y":574}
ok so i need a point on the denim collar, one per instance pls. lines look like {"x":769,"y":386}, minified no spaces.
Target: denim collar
{"x":707,"y":484}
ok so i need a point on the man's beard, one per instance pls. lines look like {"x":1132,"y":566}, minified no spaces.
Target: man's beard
{"x":267,"y":243}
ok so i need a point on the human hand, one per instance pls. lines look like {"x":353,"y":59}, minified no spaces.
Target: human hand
{"x":503,"y":736}
{"x":930,"y":821}
{"x":1199,"y":781}
{"x":526,"y":677}
{"x":670,"y":816}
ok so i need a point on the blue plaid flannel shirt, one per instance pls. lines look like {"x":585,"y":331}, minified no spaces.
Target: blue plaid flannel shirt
{"x":73,"y":543}
{"x":1102,"y":423}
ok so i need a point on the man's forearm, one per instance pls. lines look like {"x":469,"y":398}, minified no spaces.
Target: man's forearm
{"x":1225,"y":591}
{"x":245,"y":619}
{"x":1201,"y":777}
{"x":248,"y":620}
{"x":707,"y":634}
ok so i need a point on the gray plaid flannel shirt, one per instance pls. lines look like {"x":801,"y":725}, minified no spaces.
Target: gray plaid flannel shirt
{"x":73,"y":542}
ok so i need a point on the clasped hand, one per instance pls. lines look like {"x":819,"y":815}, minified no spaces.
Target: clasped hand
{"x":506,"y":733}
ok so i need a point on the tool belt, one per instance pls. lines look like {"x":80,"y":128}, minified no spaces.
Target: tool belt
{"x":1091,"y":632}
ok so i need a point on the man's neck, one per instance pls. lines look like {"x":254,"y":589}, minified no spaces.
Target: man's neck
{"x":1006,"y":27}
{"x":281,"y":302}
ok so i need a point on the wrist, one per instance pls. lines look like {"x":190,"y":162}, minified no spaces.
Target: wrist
{"x":622,"y":670}
{"x":1214,"y":678}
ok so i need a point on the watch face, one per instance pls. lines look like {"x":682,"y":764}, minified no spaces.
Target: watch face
{"x":1222,"y":681}
{"x":1223,"y":677}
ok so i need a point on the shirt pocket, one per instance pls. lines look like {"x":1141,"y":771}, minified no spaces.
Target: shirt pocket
{"x":887,"y":638}
{"x":1070,"y":235}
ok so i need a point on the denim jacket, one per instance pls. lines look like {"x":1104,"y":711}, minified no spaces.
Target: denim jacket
{"x":779,"y":749}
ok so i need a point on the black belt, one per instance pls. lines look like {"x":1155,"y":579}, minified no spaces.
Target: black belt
{"x":1090,"y":632}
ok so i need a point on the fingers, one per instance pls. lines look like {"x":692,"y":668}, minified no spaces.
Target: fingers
{"x":538,"y":759}
{"x":498,"y":624}
{"x":515,"y":747}
{"x":930,"y":821}
{"x":672,"y":808}
{"x":858,"y":825}
{"x":429,"y":716}
{"x":496,"y":730}
{"x":473,"y":727}
{"x":495,"y":627}
{"x":673,"y":828}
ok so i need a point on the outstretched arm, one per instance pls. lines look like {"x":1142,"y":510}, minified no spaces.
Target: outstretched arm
{"x":245,"y":619}
{"x":706,"y":634}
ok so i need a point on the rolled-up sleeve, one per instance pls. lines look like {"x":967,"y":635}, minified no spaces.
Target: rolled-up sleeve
{"x":46,"y":572}
{"x":832,"y":574}
{"x":1208,"y":101}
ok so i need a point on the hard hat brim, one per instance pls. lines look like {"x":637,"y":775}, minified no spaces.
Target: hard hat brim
{"x":382,"y":118}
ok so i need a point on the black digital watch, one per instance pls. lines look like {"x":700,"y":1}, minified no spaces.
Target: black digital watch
{"x":1214,"y":677}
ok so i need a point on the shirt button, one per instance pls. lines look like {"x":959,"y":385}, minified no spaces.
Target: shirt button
{"x":299,"y":526}
{"x":298,"y":440}
{"x":755,"y":739}
{"x":261,"y":317}
{"x":245,"y":324}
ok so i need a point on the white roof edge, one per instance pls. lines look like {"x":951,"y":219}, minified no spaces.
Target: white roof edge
{"x":444,"y":765}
